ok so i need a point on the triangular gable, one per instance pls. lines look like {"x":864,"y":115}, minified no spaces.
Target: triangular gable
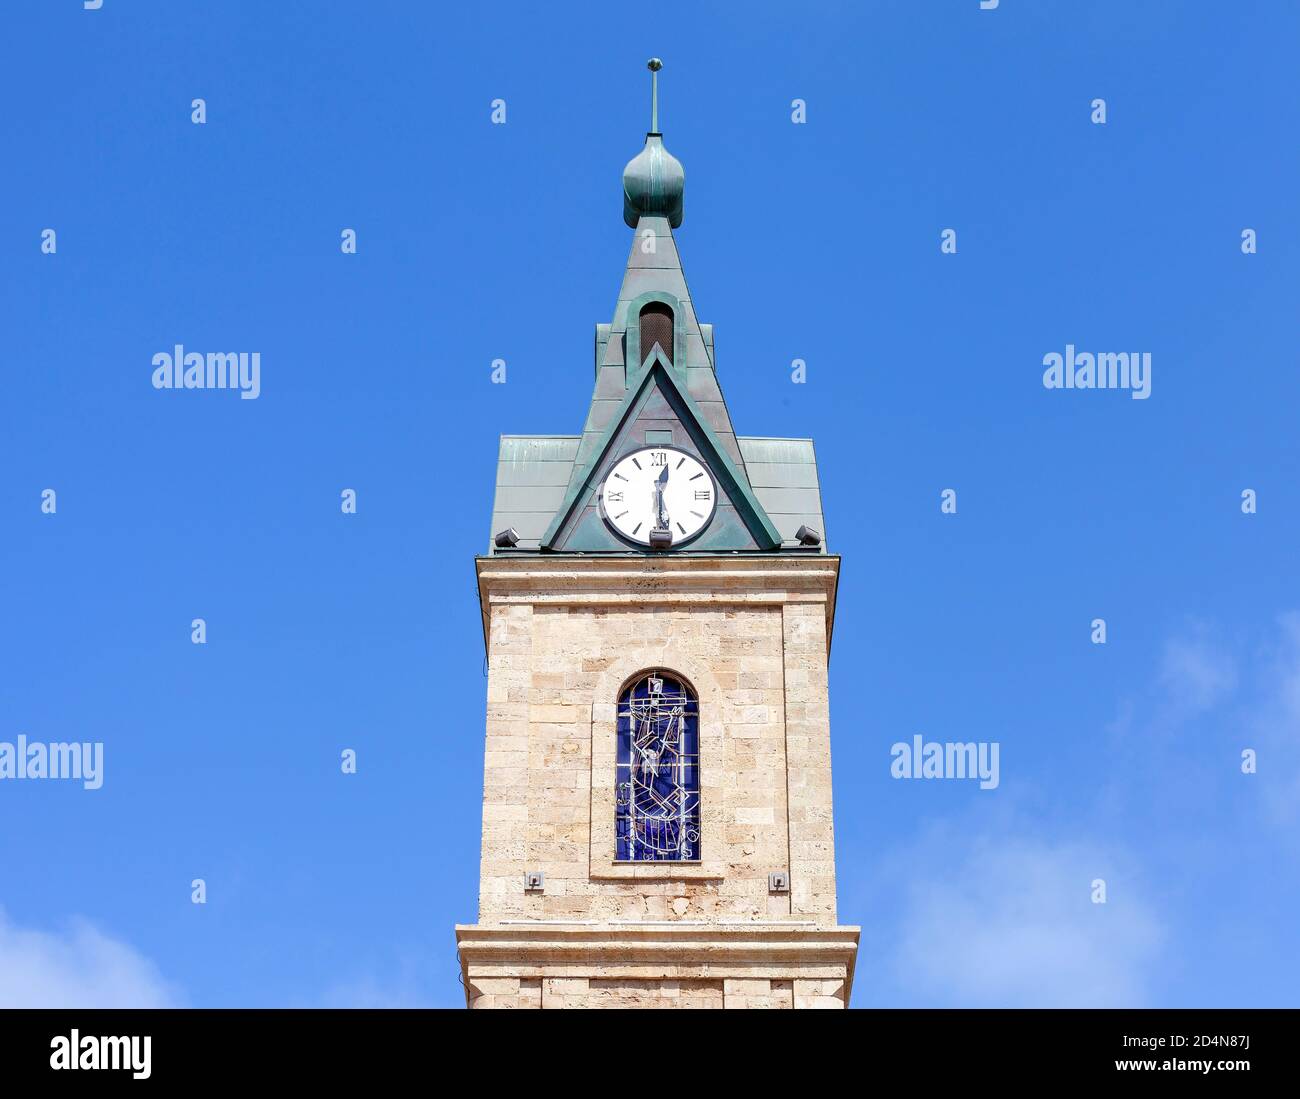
{"x":654,"y":272}
{"x":658,"y":372}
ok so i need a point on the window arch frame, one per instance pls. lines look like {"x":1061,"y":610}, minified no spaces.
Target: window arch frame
{"x":663,"y":312}
{"x":634,"y":353}
{"x":605,"y":692}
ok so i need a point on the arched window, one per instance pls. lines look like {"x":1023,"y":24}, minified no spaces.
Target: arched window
{"x":657,"y":771}
{"x":657,"y":328}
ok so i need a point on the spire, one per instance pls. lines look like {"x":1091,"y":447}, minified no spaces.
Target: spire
{"x":653,"y":179}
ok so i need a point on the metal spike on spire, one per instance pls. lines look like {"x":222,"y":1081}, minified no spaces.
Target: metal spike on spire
{"x":654,"y":65}
{"x":653,"y":179}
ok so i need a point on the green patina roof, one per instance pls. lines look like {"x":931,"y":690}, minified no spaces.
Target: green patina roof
{"x":547,"y":484}
{"x":535,"y":469}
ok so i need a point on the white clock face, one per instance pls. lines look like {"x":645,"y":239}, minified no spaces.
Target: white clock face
{"x":661,"y":489}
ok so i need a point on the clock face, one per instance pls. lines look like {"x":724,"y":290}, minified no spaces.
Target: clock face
{"x":658,"y":489}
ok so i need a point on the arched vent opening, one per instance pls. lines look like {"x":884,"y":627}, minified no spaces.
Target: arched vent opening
{"x":657,"y":328}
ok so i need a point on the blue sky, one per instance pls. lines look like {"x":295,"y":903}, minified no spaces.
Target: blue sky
{"x":817,"y":241}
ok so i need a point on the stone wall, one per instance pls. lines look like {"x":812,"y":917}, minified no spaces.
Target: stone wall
{"x":750,"y":635}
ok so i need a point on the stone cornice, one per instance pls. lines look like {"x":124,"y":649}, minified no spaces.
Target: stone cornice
{"x":692,"y":950}
{"x":569,"y":580}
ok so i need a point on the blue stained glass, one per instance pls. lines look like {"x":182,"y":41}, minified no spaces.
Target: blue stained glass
{"x":657,"y":774}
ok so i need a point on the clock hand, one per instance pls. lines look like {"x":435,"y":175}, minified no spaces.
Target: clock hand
{"x":661,"y":482}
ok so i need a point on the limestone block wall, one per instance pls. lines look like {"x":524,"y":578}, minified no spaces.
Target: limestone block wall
{"x":751,"y":637}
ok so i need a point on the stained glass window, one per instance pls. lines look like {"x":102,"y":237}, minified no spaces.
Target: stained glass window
{"x":657,"y":775}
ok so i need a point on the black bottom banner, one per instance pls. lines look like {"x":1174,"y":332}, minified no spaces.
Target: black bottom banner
{"x":1228,"y":1048}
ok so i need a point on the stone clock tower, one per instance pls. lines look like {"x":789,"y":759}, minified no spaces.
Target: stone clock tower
{"x":657,"y":608}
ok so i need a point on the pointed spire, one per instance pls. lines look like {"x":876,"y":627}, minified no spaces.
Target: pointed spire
{"x":653,"y":180}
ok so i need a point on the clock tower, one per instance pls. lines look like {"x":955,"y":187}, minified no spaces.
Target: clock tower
{"x":657,"y":602}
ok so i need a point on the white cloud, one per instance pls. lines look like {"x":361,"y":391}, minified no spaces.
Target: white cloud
{"x":1005,"y":920}
{"x":81,"y":968}
{"x":1196,"y":674}
{"x":996,"y":912}
{"x":371,"y":992}
{"x":1271,"y":724}
{"x":396,"y":976}
{"x":1258,"y":709}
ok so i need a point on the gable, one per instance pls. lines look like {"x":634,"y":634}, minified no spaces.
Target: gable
{"x":659,"y":411}
{"x":654,"y":274}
